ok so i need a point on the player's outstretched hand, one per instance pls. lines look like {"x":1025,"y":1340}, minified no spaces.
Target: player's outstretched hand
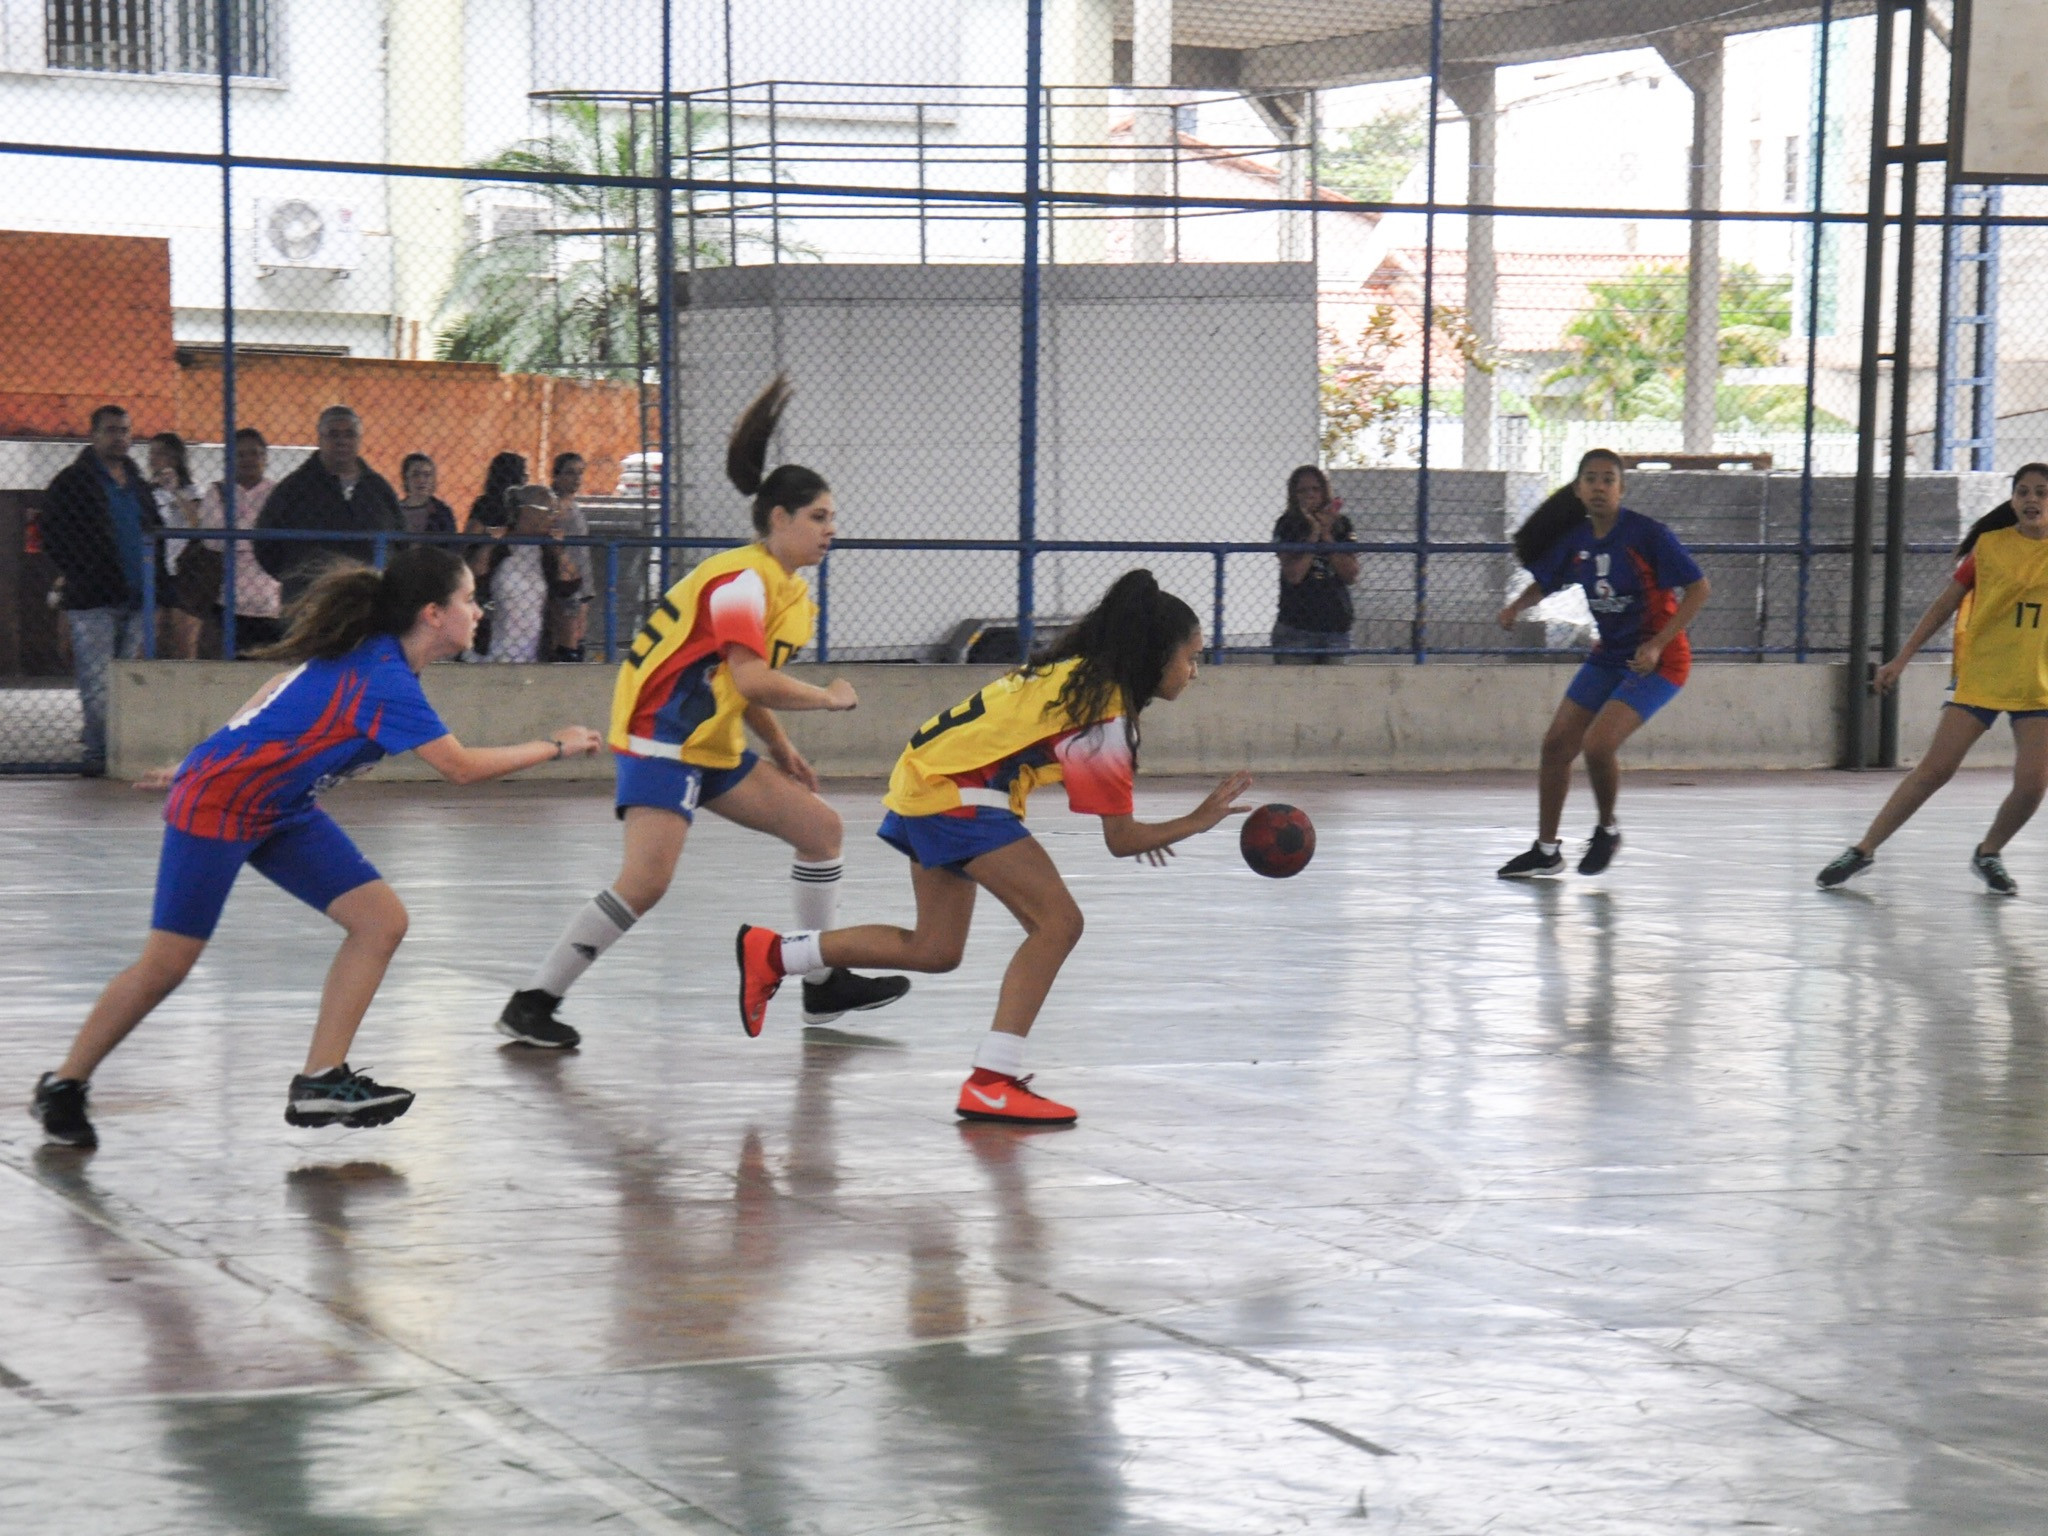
{"x":1887,"y":677}
{"x":840,"y":695}
{"x":157,"y":778}
{"x":1222,"y":801}
{"x":577,"y":741}
{"x":1508,"y":615}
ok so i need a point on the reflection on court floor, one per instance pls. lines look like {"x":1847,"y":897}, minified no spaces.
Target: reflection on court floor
{"x":1402,"y":1198}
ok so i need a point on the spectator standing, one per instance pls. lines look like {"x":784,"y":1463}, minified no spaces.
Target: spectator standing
{"x":522,"y":582}
{"x":93,"y":518}
{"x":422,"y":510}
{"x":566,"y":619}
{"x":332,"y":492}
{"x":188,"y":602}
{"x":507,"y":471}
{"x":256,"y":590}
{"x":1315,"y":589}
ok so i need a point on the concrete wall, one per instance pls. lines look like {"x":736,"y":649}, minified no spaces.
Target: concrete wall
{"x":1173,"y":402}
{"x":1357,"y":719}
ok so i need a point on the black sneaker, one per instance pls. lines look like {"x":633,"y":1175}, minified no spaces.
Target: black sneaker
{"x":844,"y":992}
{"x":60,"y":1105}
{"x":1850,"y":861}
{"x":341,"y":1097}
{"x":1990,"y":868}
{"x":1600,"y":851}
{"x":1534,"y":862}
{"x":530,"y":1019}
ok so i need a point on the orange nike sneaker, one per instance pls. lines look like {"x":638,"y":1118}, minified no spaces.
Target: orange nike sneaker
{"x":760,"y":955}
{"x":990,"y":1095}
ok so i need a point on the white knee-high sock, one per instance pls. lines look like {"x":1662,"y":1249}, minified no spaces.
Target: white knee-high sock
{"x":815,"y":892}
{"x":600,"y":924}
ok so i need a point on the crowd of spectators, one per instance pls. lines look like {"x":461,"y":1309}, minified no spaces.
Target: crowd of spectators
{"x":96,"y":513}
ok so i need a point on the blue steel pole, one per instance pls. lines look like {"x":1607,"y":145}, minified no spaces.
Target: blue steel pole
{"x":611,"y":602}
{"x":149,"y":549}
{"x":1419,"y":634}
{"x":228,"y":490}
{"x":1819,"y":233}
{"x":825,"y":609}
{"x":1027,"y":367}
{"x":665,"y":281}
{"x":1216,"y":622}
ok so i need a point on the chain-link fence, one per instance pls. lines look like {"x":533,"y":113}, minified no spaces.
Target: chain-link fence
{"x":1062,"y":287}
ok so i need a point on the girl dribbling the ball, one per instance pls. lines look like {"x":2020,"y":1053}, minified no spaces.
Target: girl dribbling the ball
{"x":1631,"y":568}
{"x":956,"y":809}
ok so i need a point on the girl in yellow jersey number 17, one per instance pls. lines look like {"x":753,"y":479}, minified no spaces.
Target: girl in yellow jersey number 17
{"x":956,"y":809}
{"x":2001,"y":667}
{"x":705,"y":665}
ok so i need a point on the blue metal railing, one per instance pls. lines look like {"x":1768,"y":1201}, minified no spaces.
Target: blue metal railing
{"x":619,"y":624}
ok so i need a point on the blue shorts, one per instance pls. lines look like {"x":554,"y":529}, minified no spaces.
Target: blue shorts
{"x":1596,"y":684}
{"x":949,"y":842}
{"x":309,"y":857}
{"x":1989,"y":717}
{"x":668,"y":785}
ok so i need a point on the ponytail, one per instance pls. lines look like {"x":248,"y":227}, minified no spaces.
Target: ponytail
{"x":746,"y":459}
{"x":352,"y":603}
{"x":1123,"y":643}
{"x":2000,"y":516}
{"x":1561,"y":512}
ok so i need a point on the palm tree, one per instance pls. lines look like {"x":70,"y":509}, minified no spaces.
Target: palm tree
{"x":1630,"y":341}
{"x":577,"y":291}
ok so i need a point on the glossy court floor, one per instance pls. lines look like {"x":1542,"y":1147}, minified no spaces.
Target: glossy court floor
{"x":1403,"y":1199}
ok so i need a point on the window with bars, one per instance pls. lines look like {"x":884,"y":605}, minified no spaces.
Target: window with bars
{"x":157,"y":37}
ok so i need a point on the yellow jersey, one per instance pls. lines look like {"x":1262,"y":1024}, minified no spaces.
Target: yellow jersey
{"x":989,"y":752}
{"x":2001,"y":644}
{"x":674,"y":697}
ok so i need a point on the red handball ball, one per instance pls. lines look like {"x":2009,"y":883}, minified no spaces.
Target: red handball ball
{"x":1277,"y":841}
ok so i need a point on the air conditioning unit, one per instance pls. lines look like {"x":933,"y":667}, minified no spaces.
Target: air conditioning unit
{"x":304,"y":233}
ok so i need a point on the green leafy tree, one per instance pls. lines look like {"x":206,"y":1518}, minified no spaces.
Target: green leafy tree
{"x":1629,"y":345}
{"x":1372,"y":159}
{"x":577,"y":292}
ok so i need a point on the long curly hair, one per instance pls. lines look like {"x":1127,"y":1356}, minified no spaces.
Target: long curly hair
{"x":351,"y":603}
{"x":1123,"y":643}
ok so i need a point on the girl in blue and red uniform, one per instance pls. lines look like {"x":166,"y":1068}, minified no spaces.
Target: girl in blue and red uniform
{"x":1632,"y":569}
{"x":956,"y":810}
{"x":246,"y":795}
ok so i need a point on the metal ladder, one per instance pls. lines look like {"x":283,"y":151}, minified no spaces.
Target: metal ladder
{"x":1966,"y":404}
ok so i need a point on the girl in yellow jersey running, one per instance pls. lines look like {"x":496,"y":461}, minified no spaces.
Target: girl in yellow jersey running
{"x":2001,"y":667}
{"x":956,"y":809}
{"x":703,"y":670}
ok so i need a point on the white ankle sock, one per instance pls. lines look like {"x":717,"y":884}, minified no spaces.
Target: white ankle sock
{"x":801,"y":956}
{"x":1612,"y":829}
{"x":1548,"y":848}
{"x":601,"y":923}
{"x":815,"y":889}
{"x":1001,"y":1053}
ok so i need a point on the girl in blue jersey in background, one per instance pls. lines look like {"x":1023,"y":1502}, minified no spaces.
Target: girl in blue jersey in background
{"x":246,"y":795}
{"x":1631,"y":568}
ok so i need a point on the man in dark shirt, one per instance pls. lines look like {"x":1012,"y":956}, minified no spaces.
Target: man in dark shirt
{"x":92,"y":520}
{"x":1315,"y":589}
{"x":332,"y":492}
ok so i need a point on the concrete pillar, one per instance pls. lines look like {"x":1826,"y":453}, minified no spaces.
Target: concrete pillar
{"x":1471,"y":88}
{"x":422,"y":126}
{"x":1080,"y":61}
{"x":1287,"y":116}
{"x":1696,"y":57}
{"x":1152,"y":129}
